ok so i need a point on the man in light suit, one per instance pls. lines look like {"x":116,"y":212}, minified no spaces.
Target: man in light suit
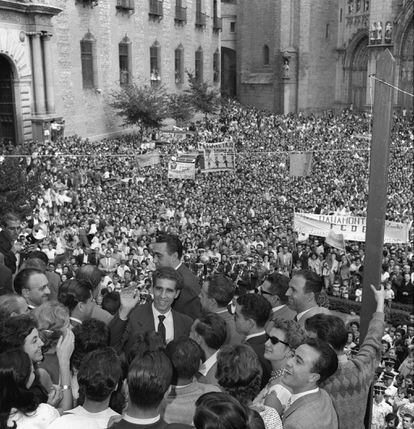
{"x":209,"y":332}
{"x":108,"y":264}
{"x":134,"y":319}
{"x":168,"y":251}
{"x":216,"y":294}
{"x":274,"y":289}
{"x":309,"y":406}
{"x":304,"y":289}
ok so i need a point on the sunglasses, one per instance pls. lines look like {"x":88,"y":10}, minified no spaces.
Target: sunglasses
{"x":275,"y":340}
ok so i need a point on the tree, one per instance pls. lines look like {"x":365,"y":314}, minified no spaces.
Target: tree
{"x":180,"y":107}
{"x":144,"y":106}
{"x":20,"y":180}
{"x":203,"y":98}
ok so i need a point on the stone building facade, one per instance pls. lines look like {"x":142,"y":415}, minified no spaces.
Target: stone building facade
{"x":309,"y":55}
{"x":61,"y":59}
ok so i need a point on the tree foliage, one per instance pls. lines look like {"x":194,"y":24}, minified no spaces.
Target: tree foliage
{"x":20,"y":180}
{"x":145,"y":106}
{"x":180,"y":107}
{"x":203,"y":98}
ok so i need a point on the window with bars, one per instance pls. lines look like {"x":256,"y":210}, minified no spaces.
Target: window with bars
{"x":124,"y":63}
{"x":216,"y":66}
{"x":88,"y":58}
{"x":179,"y":65}
{"x":155,"y":71}
{"x":199,"y":65}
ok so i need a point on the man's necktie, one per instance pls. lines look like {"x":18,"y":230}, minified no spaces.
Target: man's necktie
{"x":161,"y":327}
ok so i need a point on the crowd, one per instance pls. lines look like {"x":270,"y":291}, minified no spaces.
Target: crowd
{"x":131,"y":280}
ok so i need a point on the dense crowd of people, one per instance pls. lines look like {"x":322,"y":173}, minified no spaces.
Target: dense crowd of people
{"x":154,"y":302}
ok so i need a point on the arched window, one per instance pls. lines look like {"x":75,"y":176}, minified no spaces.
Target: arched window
{"x":199,"y":64}
{"x":216,"y":66}
{"x":88,"y":61}
{"x":179,"y":64}
{"x":125,"y":63}
{"x":155,"y":63}
{"x":266,"y":55}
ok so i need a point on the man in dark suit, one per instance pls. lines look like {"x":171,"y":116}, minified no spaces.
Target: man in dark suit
{"x":309,"y":406}
{"x":216,"y":294}
{"x":168,"y":251}
{"x":6,"y":283}
{"x":274,"y":289}
{"x":251,"y":314}
{"x":134,"y":319}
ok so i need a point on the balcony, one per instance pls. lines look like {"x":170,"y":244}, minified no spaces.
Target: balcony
{"x":155,"y":9}
{"x":200,"y":19}
{"x":180,"y":14}
{"x":125,"y":4}
{"x":217,"y":24}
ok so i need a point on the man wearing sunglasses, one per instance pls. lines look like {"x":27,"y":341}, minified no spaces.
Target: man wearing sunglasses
{"x":274,"y":290}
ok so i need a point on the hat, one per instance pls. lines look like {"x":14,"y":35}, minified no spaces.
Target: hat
{"x":379,"y":387}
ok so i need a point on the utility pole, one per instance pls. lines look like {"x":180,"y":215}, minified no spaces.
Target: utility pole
{"x":377,"y":197}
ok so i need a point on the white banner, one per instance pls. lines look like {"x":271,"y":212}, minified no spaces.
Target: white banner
{"x":353,"y":228}
{"x":181,"y":170}
{"x":148,"y":159}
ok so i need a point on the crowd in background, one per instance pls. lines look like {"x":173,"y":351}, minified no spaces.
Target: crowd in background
{"x":98,"y":208}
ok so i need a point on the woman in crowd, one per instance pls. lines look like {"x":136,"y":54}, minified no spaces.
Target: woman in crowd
{"x":239,"y":374}
{"x":284,"y":336}
{"x":19,"y":406}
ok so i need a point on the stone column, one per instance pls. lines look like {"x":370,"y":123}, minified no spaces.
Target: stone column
{"x":50,"y":93}
{"x":38,"y":77}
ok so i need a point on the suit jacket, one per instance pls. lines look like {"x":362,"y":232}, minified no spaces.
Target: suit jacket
{"x":284,"y":313}
{"x":141,"y":320}
{"x":312,"y":312}
{"x":5,"y":248}
{"x":6,"y":283}
{"x":313,"y":411}
{"x":108,"y":266}
{"x":188,"y":301}
{"x":233,"y":337}
{"x":258,"y":345}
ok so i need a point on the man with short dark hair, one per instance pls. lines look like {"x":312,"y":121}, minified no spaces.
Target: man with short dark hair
{"x":11,"y":227}
{"x":216,"y":294}
{"x":149,"y":378}
{"x":209,"y":331}
{"x":310,"y":406}
{"x":304,"y":289}
{"x":349,"y":386}
{"x":179,"y":405}
{"x":134,"y":319}
{"x":251,"y":315}
{"x":33,"y":285}
{"x":98,"y":377}
{"x":274,"y":288}
{"x":168,"y":252}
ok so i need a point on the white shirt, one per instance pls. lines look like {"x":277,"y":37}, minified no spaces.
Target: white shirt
{"x":168,"y":323}
{"x":299,"y":315}
{"x":254,"y":335}
{"x":296,"y":396}
{"x":208,"y":364}
{"x":79,"y":418}
{"x":40,"y":419}
{"x":136,"y":421}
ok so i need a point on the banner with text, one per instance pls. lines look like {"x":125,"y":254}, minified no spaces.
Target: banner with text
{"x":353,"y":228}
{"x":149,"y":159}
{"x":218,"y":156}
{"x":181,"y":169}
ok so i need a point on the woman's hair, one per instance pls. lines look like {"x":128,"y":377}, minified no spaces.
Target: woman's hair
{"x":52,"y":319}
{"x":217,"y":410}
{"x":72,"y":292}
{"x":239,"y":372}
{"x":295,"y":335}
{"x":9,"y":304}
{"x":15,"y":369}
{"x":13,"y":332}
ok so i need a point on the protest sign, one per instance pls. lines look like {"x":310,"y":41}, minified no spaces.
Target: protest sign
{"x":218,"y":156}
{"x":353,"y":228}
{"x":181,"y":169}
{"x":148,"y":159}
